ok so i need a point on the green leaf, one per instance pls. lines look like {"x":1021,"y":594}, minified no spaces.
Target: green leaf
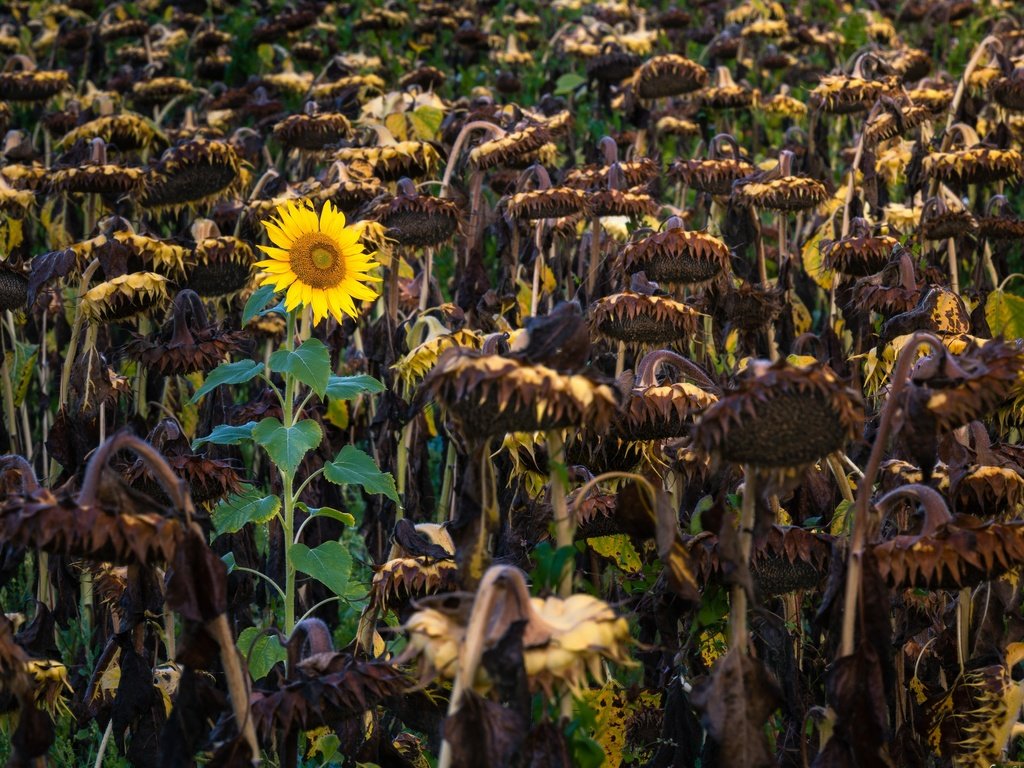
{"x":426,"y":122}
{"x":1005,"y":314}
{"x":240,"y":509}
{"x":229,"y":560}
{"x":350,"y":387}
{"x":225,"y":434}
{"x":228,"y":373}
{"x":255,"y":303}
{"x":25,"y":357}
{"x":355,"y":467}
{"x":568,"y":83}
{"x":287,"y":446}
{"x":310,"y":364}
{"x":335,"y":514}
{"x":330,"y":563}
{"x":262,"y":652}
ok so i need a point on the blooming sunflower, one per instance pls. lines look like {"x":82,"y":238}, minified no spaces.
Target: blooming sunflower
{"x":319,"y":260}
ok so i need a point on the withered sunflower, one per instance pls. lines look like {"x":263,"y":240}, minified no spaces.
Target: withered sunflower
{"x":127,"y":131}
{"x":421,"y":562}
{"x":31,"y":84}
{"x":779,"y":189}
{"x":781,"y":416}
{"x":726,"y":93}
{"x":419,"y":220}
{"x":847,"y":94}
{"x":654,"y":410}
{"x":549,"y":203}
{"x":973,"y":162}
{"x":716,"y":174}
{"x":944,"y":217}
{"x":612,"y":64}
{"x":312,"y":131}
{"x":999,"y":221}
{"x":859,"y":253}
{"x":219,"y":265}
{"x":492,"y":395}
{"x":97,"y":176}
{"x":1008,"y":90}
{"x":644,"y":319}
{"x":192,"y":173}
{"x":668,"y":75}
{"x":13,"y":288}
{"x":894,"y":119}
{"x":508,"y":148}
{"x":124,"y":297}
{"x":320,"y":261}
{"x":635,"y":173}
{"x":939,"y":310}
{"x":187,"y":343}
{"x":677,"y":256}
{"x":390,"y":162}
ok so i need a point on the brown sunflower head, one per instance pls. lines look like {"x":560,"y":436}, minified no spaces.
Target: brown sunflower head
{"x":421,"y":562}
{"x":207,"y":479}
{"x":418,"y":220}
{"x":969,"y":161}
{"x":645,"y":319}
{"x":779,"y":189}
{"x":390,"y":162}
{"x":716,"y":174}
{"x":893,"y":119}
{"x":657,"y":409}
{"x":124,"y":297}
{"x":160,"y":90}
{"x":21,"y":81}
{"x":511,"y":146}
{"x":726,"y":94}
{"x":946,"y":552}
{"x":860,"y":253}
{"x":95,"y":175}
{"x":127,"y":131}
{"x":677,"y":256}
{"x":613,"y":64}
{"x":187,"y":343}
{"x":220,"y":265}
{"x":491,"y":395}
{"x":999,"y":221}
{"x":313,"y":131}
{"x":668,"y":75}
{"x":1008,"y":90}
{"x":847,"y":94}
{"x":13,"y":288}
{"x":939,"y":310}
{"x":944,"y":216}
{"x":547,"y":203}
{"x":781,"y":416}
{"x":192,"y":173}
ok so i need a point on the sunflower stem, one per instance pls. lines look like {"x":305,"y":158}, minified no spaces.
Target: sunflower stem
{"x":738,"y":633}
{"x":287,"y":482}
{"x":565,"y":527}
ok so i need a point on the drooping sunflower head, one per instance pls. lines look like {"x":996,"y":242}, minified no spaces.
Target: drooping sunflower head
{"x":320,"y":261}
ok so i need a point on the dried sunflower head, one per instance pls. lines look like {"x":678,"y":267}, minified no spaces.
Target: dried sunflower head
{"x":192,"y":173}
{"x":999,"y":222}
{"x":847,"y":94}
{"x":124,"y":297}
{"x":780,"y":190}
{"x":421,"y":562}
{"x":126,"y":131}
{"x":549,"y":203}
{"x":939,"y":310}
{"x":944,"y":216}
{"x":656,"y":410}
{"x":220,"y":265}
{"x":419,"y":220}
{"x":973,"y":162}
{"x":781,"y":416}
{"x":13,"y":288}
{"x":612,"y":64}
{"x":187,"y":343}
{"x":492,"y":395}
{"x":31,"y":84}
{"x":390,"y":162}
{"x":643,"y":319}
{"x":860,"y":253}
{"x":313,"y":131}
{"x":160,"y":90}
{"x":668,"y":75}
{"x":726,"y":94}
{"x":677,"y":256}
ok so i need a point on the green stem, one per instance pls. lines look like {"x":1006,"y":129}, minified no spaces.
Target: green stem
{"x":321,"y":604}
{"x":263,"y":576}
{"x":287,"y":480}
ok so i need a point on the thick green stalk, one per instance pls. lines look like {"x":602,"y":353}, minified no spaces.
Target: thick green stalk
{"x":287,"y":481}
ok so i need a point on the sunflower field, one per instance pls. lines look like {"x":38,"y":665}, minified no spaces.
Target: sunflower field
{"x":511,"y":384}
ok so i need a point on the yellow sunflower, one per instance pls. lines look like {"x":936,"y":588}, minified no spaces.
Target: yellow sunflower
{"x":319,"y":260}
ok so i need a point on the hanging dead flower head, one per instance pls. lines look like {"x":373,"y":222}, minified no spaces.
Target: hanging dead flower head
{"x":969,"y":161}
{"x":847,"y":94}
{"x":645,"y":319}
{"x":219,"y":265}
{"x":780,"y":416}
{"x":124,"y":297}
{"x":668,"y":75}
{"x":716,"y":174}
{"x":656,"y":410}
{"x":13,"y":288}
{"x":418,"y":220}
{"x":492,"y":395}
{"x":421,"y":562}
{"x":779,"y":189}
{"x":21,"y":81}
{"x":187,"y":343}
{"x":860,"y":253}
{"x":96,"y":176}
{"x":677,"y":256}
{"x":312,"y":131}
{"x":192,"y":173}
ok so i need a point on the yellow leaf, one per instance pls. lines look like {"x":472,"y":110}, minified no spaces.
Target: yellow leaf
{"x":426,"y":122}
{"x":619,"y":549}
{"x":1005,"y":314}
{"x":813,"y":262}
{"x":397,"y":125}
{"x":337,"y":413}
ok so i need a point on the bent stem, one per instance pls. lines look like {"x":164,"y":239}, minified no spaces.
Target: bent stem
{"x":565,"y":527}
{"x":900,"y":375}
{"x":739,"y":635}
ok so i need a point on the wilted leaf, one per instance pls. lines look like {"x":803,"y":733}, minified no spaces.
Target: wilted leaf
{"x":736,"y":703}
{"x":619,"y":549}
{"x":1005,"y":314}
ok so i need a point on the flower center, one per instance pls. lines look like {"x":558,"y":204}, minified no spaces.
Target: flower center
{"x":317,"y":260}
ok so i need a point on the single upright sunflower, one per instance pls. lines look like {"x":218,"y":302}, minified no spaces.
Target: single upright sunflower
{"x":319,"y":260}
